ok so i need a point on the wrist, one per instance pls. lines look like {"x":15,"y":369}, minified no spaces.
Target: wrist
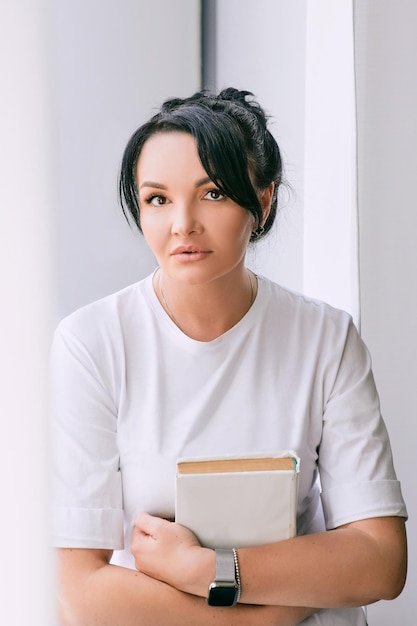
{"x":200,"y":572}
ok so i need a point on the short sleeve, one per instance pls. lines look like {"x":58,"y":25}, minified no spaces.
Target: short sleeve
{"x":87,"y":507}
{"x":355,"y":461}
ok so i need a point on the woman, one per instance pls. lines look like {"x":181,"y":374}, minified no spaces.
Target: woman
{"x":205,"y":358}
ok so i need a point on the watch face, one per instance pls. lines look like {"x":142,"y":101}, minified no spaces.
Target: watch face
{"x":222,"y":594}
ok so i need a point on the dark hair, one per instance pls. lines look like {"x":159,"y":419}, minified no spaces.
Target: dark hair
{"x":233,"y":144}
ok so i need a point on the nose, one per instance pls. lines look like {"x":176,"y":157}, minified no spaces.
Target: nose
{"x":185,"y":219}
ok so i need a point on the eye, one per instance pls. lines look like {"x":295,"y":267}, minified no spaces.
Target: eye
{"x":215,"y":195}
{"x":156,"y":200}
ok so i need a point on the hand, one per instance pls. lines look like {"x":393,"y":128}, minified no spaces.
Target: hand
{"x":171,"y":553}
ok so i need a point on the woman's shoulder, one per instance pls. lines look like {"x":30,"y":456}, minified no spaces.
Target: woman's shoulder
{"x":309,"y":325}
{"x":299,"y":306}
{"x":107,"y":315}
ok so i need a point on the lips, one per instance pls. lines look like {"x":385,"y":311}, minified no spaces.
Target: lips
{"x":190,"y":253}
{"x":189,"y":249}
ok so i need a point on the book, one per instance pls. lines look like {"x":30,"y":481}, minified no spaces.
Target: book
{"x":238,"y":501}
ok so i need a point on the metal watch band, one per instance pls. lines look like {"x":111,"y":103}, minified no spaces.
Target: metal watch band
{"x":225,"y":588}
{"x":225,"y":566}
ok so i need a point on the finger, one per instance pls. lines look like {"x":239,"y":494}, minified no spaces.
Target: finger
{"x":149,"y":524}
{"x":138,"y":536}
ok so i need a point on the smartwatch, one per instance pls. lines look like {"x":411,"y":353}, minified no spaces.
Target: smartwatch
{"x":225,"y":588}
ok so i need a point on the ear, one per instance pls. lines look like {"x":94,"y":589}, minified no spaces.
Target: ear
{"x":265,"y":199}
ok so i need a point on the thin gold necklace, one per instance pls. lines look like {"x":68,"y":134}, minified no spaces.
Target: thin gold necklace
{"x":170,"y":313}
{"x":167,"y":309}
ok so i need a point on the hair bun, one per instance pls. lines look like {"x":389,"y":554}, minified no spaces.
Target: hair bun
{"x":171,"y":105}
{"x":247,"y":100}
{"x":235,"y":95}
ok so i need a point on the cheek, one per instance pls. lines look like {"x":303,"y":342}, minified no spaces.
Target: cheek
{"x":240,"y":230}
{"x":237,"y":223}
{"x":152,"y":229}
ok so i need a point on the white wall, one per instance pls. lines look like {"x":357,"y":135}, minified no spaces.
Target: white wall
{"x":387,"y":116}
{"x":113,"y":64}
{"x":25,"y":314}
{"x":330,"y":224}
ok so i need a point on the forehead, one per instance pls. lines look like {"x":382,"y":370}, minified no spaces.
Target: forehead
{"x":168,"y":152}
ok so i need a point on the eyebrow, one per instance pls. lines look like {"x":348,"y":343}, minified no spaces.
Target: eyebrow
{"x":150,"y":183}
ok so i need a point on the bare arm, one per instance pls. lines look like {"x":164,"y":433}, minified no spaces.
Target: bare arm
{"x":356,"y":564}
{"x":94,"y":593}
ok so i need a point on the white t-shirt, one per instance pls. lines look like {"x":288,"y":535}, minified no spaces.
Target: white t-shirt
{"x":131,"y":393}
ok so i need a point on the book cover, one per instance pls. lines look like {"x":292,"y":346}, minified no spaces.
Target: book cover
{"x":238,"y":501}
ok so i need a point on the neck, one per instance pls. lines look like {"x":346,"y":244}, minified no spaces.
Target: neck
{"x":204,"y":312}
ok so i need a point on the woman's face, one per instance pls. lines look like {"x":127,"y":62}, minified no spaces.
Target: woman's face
{"x":197,"y":234}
